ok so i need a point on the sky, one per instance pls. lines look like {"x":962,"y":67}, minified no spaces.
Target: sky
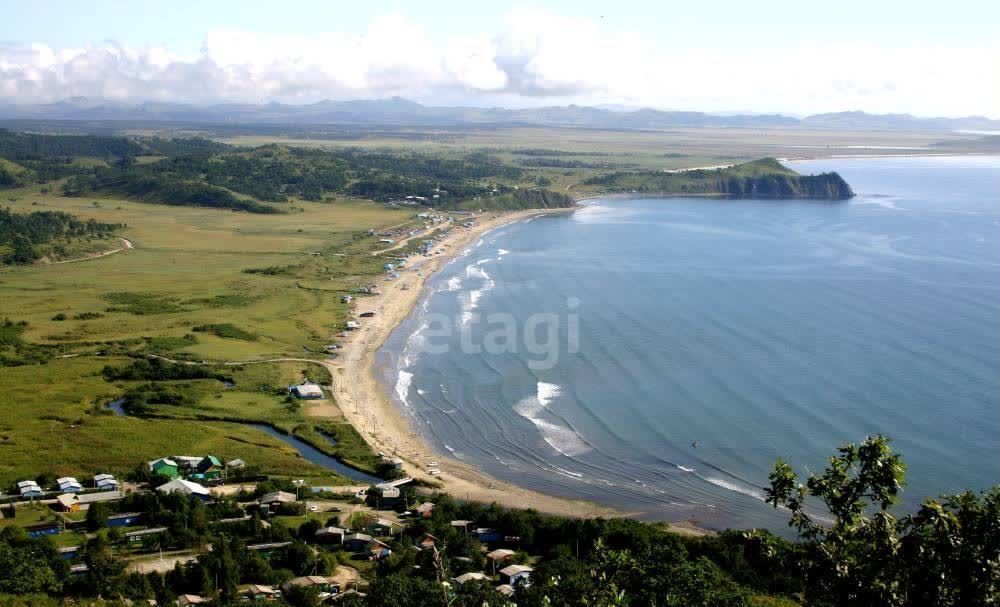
{"x":798,"y":58}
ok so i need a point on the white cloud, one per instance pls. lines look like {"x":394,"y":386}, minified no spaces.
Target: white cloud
{"x":535,"y":57}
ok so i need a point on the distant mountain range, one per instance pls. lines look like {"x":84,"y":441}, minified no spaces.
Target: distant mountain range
{"x":397,"y":111}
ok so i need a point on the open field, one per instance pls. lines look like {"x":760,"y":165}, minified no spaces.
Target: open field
{"x":180,"y":292}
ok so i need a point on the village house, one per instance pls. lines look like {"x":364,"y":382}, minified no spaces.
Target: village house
{"x":470,"y":577}
{"x":106,"y":482}
{"x":387,"y":491}
{"x":258,"y":592}
{"x":381,"y":527}
{"x":306,"y":391}
{"x":164,"y":467}
{"x":330,"y":535}
{"x":29,"y":489}
{"x":210,"y":467}
{"x":42,"y":529}
{"x":68,"y":502}
{"x":68,"y":484}
{"x":186,"y":464}
{"x":425,"y":510}
{"x":500,"y":555}
{"x":274,"y":500}
{"x":236,"y":464}
{"x":318,"y":582}
{"x":516,"y":574}
{"x":357,"y":542}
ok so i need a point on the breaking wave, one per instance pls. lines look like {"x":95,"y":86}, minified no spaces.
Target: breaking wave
{"x":403,"y":381}
{"x":556,"y":434}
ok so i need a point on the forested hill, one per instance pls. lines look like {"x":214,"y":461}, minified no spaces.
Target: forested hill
{"x":199,"y":172}
{"x":27,"y":237}
{"x":765,"y":178}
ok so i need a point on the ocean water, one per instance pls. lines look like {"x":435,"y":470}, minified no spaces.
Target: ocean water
{"x":700,"y":340}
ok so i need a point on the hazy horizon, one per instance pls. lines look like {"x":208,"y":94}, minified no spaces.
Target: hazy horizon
{"x":781,"y":58}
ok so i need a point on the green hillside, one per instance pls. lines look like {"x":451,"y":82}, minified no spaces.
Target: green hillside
{"x":764,"y":178}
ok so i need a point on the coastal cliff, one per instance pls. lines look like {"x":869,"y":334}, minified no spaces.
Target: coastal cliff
{"x":766,"y":178}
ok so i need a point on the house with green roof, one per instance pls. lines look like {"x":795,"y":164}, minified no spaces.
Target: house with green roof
{"x":208,"y":468}
{"x":164,"y":467}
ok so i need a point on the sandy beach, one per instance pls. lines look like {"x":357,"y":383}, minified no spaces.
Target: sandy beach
{"x":365,"y":403}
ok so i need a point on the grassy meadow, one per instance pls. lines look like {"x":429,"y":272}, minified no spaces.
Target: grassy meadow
{"x":182,"y":292}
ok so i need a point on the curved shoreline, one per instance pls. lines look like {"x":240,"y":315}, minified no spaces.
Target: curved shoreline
{"x":365,"y":400}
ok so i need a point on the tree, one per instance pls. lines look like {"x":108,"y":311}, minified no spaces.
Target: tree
{"x":307,"y":530}
{"x":946,"y":554}
{"x":97,"y":516}
{"x":103,"y":570}
{"x":28,"y":565}
{"x":951,"y":551}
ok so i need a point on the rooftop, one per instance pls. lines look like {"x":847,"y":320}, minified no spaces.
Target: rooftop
{"x":184,"y":487}
{"x":515,"y":569}
{"x":470,"y":576}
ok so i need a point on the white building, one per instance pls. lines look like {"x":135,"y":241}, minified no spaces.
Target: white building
{"x":106,"y":482}
{"x":184,"y":488}
{"x":68,"y":484}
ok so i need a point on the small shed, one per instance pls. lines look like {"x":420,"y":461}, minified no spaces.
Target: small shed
{"x":309,"y":391}
{"x":68,"y":502}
